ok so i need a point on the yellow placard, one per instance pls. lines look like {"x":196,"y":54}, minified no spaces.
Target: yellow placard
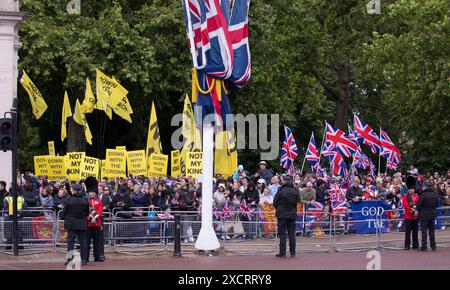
{"x":175,"y":163}
{"x":158,"y":164}
{"x":73,"y":165}
{"x":115,"y":163}
{"x":137,"y":163}
{"x":121,"y":148}
{"x":40,"y":165}
{"x":89,"y":167}
{"x":194,"y":164}
{"x":51,"y":148}
{"x":56,"y":167}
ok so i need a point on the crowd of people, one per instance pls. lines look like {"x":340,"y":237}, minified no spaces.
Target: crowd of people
{"x":133,"y":194}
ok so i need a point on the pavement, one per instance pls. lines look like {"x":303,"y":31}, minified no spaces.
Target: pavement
{"x":389,"y":260}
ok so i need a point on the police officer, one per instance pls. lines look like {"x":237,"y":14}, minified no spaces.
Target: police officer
{"x":8,"y":210}
{"x":285,"y":203}
{"x":74,"y":213}
{"x":427,"y":205}
{"x":95,"y":221}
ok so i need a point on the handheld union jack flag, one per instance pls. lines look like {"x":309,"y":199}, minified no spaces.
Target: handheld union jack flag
{"x":337,"y":163}
{"x":372,"y":167}
{"x":389,"y":150}
{"x":391,"y":165}
{"x":337,"y":140}
{"x":366,"y":135}
{"x":289,"y":150}
{"x":312,"y":154}
{"x":216,"y":213}
{"x":246,"y":210}
{"x":314,"y":212}
{"x":360,"y":160}
{"x":226,"y":212}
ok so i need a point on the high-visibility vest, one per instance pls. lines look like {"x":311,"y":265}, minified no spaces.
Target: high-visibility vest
{"x":9,"y":200}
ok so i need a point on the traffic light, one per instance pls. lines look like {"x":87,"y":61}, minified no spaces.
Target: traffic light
{"x":6,"y":134}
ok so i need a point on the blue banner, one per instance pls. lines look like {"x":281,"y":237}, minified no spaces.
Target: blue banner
{"x":365,"y":215}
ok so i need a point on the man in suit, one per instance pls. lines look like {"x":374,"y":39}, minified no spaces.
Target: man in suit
{"x":75,"y":213}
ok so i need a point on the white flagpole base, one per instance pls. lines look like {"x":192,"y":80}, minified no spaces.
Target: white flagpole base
{"x":207,"y":239}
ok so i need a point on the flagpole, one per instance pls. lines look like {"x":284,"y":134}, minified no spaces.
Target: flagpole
{"x":323,"y":139}
{"x":304,"y":160}
{"x":379,"y":156}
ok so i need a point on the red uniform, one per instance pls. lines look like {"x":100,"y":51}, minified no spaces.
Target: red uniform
{"x":96,"y":205}
{"x":408,"y":208}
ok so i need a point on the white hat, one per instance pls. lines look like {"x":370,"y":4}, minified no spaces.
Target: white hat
{"x":262,"y":162}
{"x":221,"y":185}
{"x":261,"y":181}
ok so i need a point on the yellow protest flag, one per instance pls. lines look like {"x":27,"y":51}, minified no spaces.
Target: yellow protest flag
{"x":51,"y":148}
{"x":120,"y":103}
{"x":37,"y":101}
{"x":225,"y":154}
{"x":190,"y":133}
{"x":153,"y":138}
{"x":104,"y":87}
{"x":89,"y":98}
{"x":66,"y":113}
{"x":80,"y":118}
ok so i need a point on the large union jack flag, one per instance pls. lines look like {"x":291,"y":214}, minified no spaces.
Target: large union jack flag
{"x":366,"y":135}
{"x":289,"y":150}
{"x":389,"y":150}
{"x":336,"y":139}
{"x":372,"y":167}
{"x":391,"y":165}
{"x":218,"y":42}
{"x":246,"y":210}
{"x":337,"y":163}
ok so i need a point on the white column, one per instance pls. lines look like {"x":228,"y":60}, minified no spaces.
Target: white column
{"x":10,"y":21}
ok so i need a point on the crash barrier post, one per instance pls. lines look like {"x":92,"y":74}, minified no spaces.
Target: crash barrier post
{"x":177,"y":240}
{"x":36,"y":228}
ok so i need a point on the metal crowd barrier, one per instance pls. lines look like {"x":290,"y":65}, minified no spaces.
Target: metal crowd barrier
{"x":138,"y":232}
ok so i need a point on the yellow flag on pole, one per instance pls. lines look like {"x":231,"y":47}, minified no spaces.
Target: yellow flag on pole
{"x":190,"y":133}
{"x":89,"y":98}
{"x":153,"y":138}
{"x":225,"y":154}
{"x":104,"y":87}
{"x":66,"y":113}
{"x":120,"y":103}
{"x":80,"y":118}
{"x":37,"y":101}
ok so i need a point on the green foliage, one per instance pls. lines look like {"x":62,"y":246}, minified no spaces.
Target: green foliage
{"x":398,"y":67}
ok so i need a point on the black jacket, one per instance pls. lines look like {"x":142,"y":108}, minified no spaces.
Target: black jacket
{"x":266,"y":174}
{"x":353,"y":192}
{"x":251,"y":195}
{"x":75,"y":212}
{"x":285,"y":201}
{"x":321,"y":194}
{"x":31,"y":197}
{"x":427,"y":205}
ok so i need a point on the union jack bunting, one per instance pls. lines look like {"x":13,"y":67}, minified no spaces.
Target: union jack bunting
{"x":337,"y":164}
{"x":289,"y":150}
{"x":366,"y":135}
{"x":389,"y":150}
{"x":337,"y":140}
{"x":314,"y":212}
{"x":246,"y":210}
